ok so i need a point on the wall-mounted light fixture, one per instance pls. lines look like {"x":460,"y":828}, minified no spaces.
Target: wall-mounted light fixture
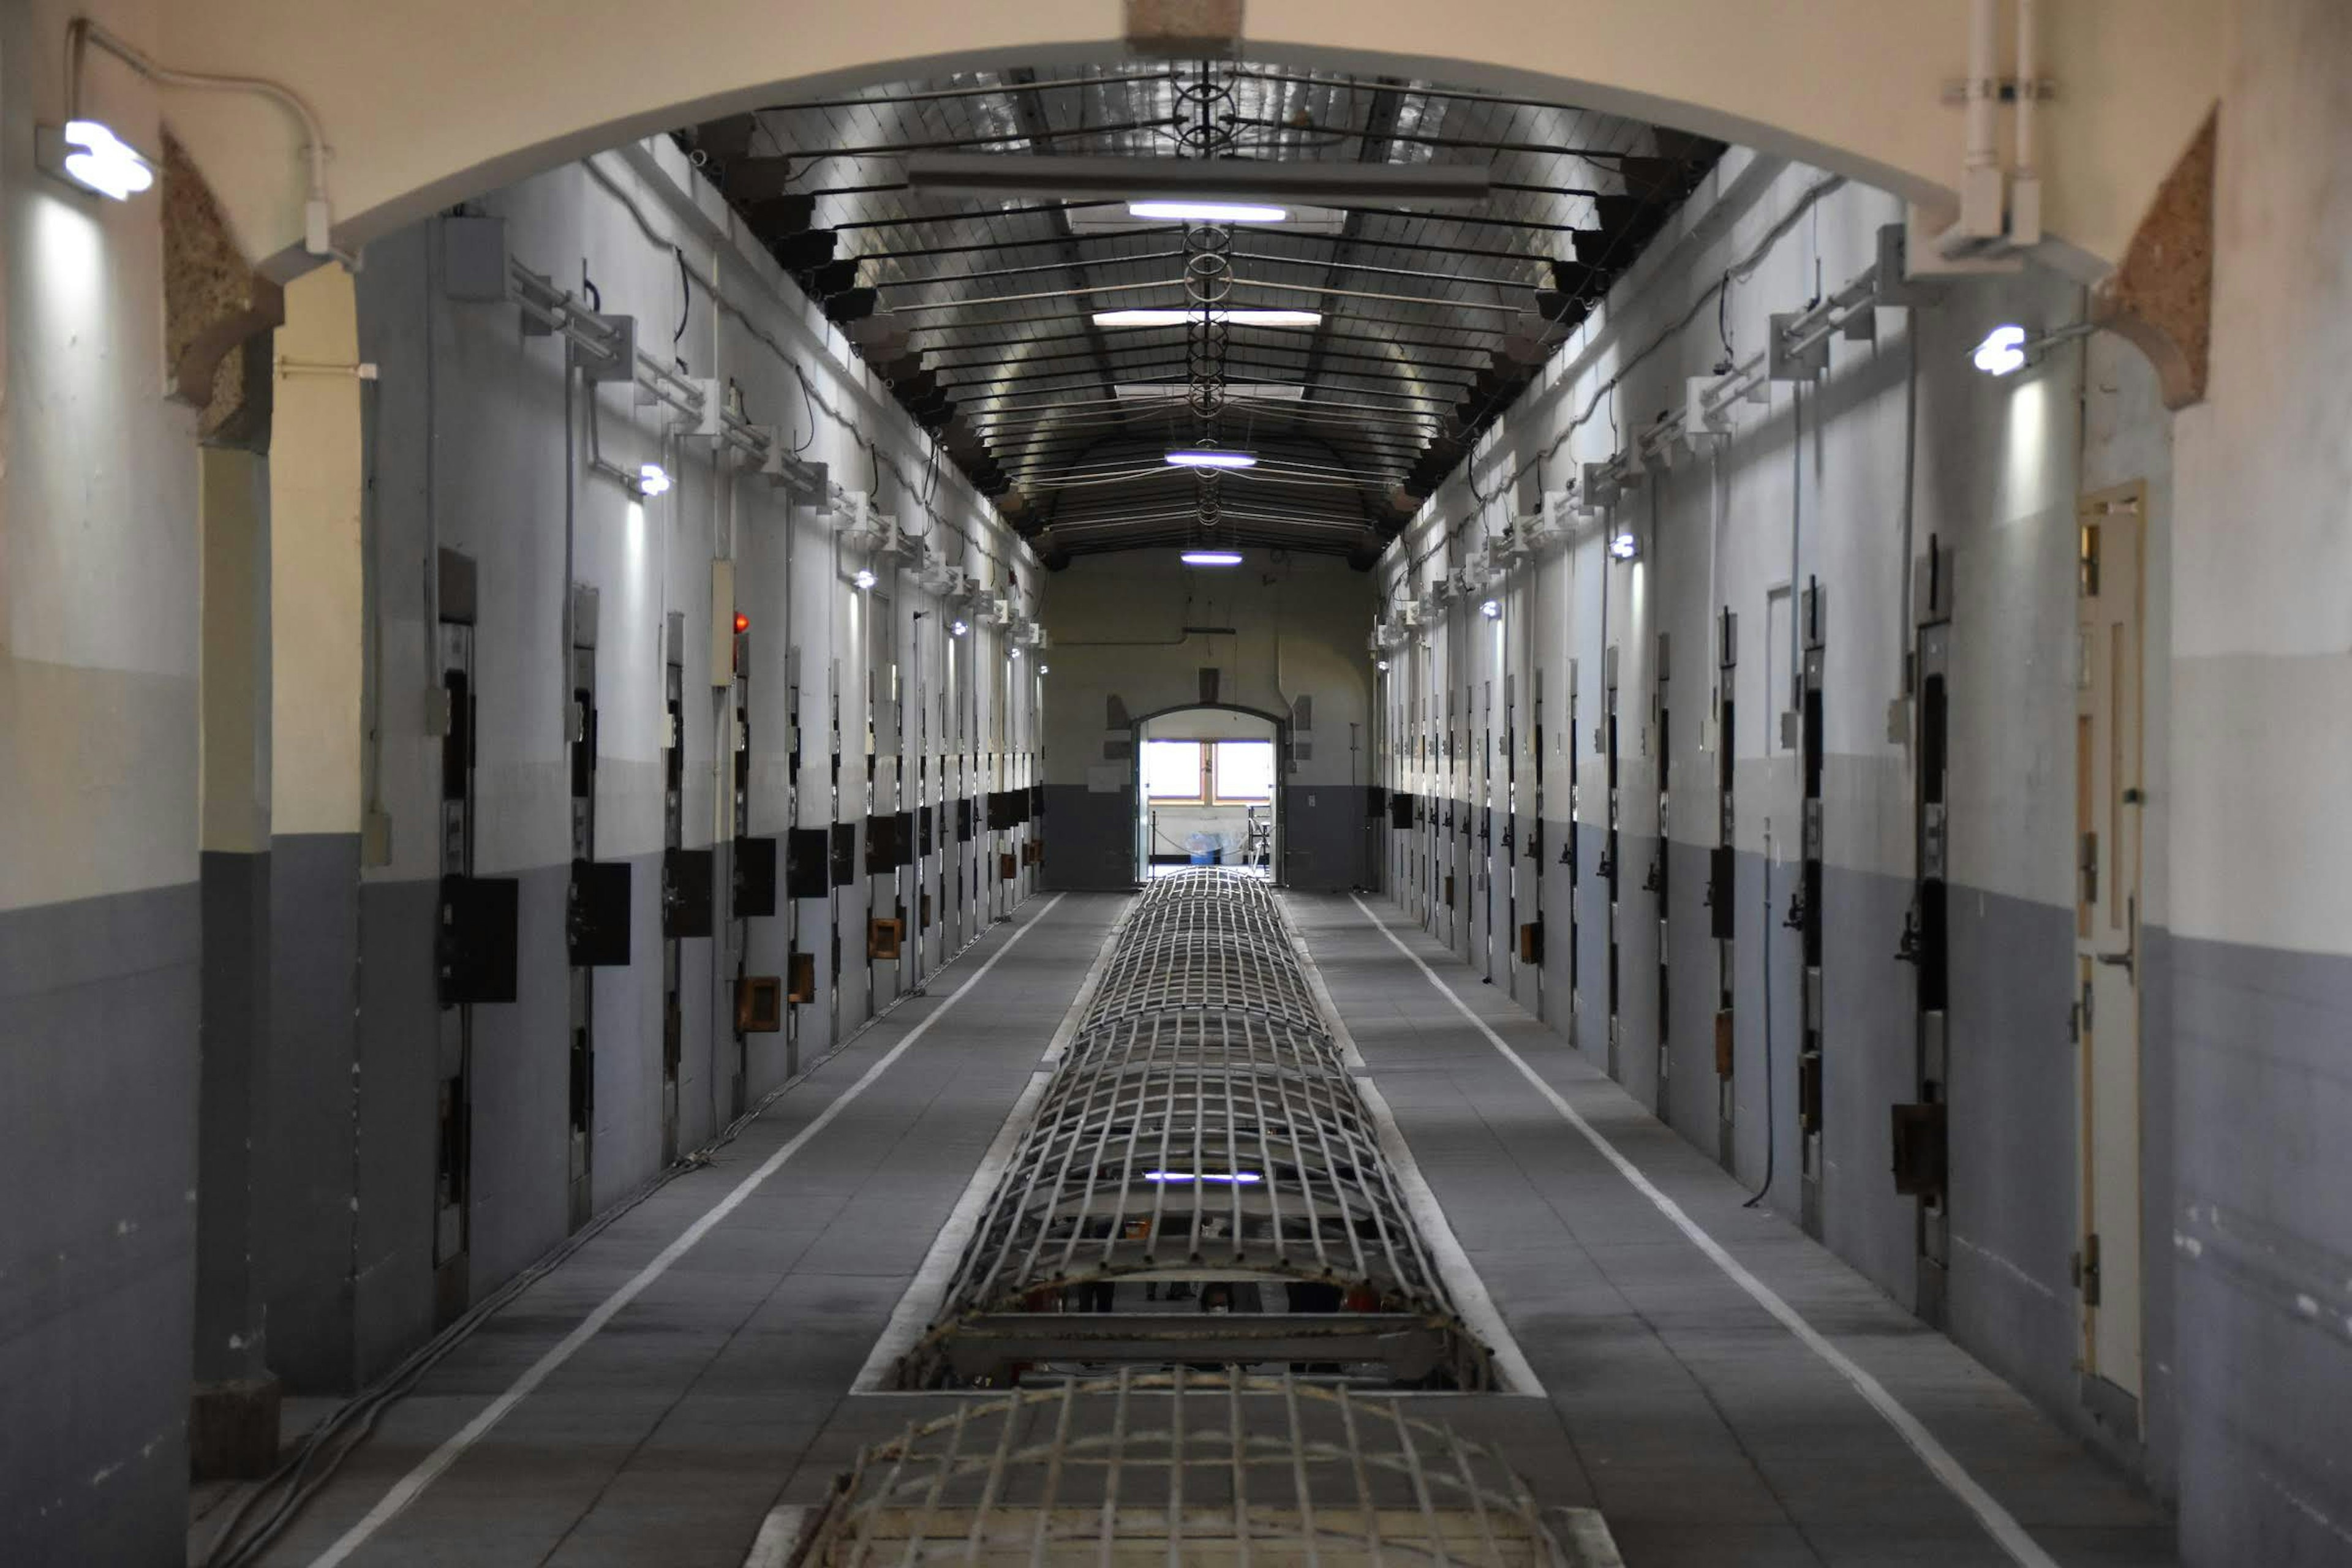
{"x":652,"y":480}
{"x":1012,"y":653}
{"x":863,"y":578}
{"x":1625,"y":547}
{"x":1210,"y":558}
{"x":1492,"y":609}
{"x":957,"y":628}
{"x":1379,"y":663}
{"x":2009,"y":347}
{"x":87,"y":154}
{"x":1044,"y":670}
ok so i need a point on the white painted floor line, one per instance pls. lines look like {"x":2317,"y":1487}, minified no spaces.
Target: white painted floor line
{"x":779,"y":1533}
{"x":1479,"y":1314}
{"x":412,"y":1485}
{"x":919,"y":1307}
{"x":1998,"y":1521}
{"x":1068,"y":1029}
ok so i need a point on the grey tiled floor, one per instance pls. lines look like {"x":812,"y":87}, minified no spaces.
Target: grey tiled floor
{"x":1703,"y":1430}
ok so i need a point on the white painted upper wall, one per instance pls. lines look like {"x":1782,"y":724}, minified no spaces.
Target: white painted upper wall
{"x":471,"y":453}
{"x":1812,"y":486}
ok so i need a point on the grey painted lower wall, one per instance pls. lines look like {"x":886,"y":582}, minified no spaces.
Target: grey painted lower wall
{"x":2261,"y":1251}
{"x":399,"y":1114}
{"x":230,"y":1339}
{"x":2014,"y":1154}
{"x":307,"y":1139}
{"x":1326,"y":847}
{"x":99,"y":1088}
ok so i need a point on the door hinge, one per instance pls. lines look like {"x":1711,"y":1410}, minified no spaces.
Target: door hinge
{"x":2085,"y":1269}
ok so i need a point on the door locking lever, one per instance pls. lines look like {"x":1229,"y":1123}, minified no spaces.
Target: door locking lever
{"x":2129,"y":959}
{"x":1907,"y":949}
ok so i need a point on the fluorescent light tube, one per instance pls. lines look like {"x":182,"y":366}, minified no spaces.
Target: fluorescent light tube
{"x":1177,"y":317}
{"x":1211,"y":558}
{"x":1238,"y":1177}
{"x":1208,"y":211}
{"x":1212,"y":459}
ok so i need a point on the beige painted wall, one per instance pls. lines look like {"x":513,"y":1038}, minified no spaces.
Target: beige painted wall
{"x":97,"y":515}
{"x":316,"y":601}
{"x":433,"y":100}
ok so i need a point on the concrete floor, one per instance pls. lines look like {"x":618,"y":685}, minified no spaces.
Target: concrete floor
{"x":1704,"y":1430}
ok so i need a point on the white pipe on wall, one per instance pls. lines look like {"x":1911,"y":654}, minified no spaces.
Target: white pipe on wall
{"x":2025,"y":190}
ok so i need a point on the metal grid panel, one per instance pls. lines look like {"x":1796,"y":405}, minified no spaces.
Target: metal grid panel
{"x":1186,"y":1468}
{"x":1202,"y":1126}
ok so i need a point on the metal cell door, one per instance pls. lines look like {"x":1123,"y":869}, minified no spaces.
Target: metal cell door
{"x":2107,"y":797}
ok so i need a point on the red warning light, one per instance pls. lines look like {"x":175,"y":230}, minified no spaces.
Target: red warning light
{"x":743,"y":623}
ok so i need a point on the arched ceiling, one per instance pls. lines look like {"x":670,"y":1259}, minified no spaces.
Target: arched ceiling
{"x":981,"y":310}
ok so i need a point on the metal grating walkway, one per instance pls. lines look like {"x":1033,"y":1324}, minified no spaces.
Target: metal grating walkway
{"x":1201,"y":1133}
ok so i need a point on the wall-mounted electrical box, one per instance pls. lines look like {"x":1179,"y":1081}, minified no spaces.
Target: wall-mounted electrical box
{"x":754,"y":878}
{"x":686,"y":892}
{"x":722,"y":623}
{"x":803,"y":976}
{"x":1007,"y":867}
{"x":759,"y":1005}
{"x":882,"y":937}
{"x":474,"y":947}
{"x":1531,"y":949}
{"x":806,"y":853}
{"x":596,"y":925}
{"x":1919,"y":1144}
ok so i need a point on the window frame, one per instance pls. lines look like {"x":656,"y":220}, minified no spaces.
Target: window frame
{"x":1199,"y":796}
{"x":1215,"y":782}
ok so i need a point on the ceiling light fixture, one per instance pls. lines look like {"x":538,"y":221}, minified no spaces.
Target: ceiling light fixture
{"x":1238,"y":1177}
{"x":1178,"y":317}
{"x":652,"y":480}
{"x":1210,"y":558}
{"x":1211,"y":458}
{"x":1624,"y":547}
{"x":1206,"y":210}
{"x":1492,"y":609}
{"x":864,"y":579}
